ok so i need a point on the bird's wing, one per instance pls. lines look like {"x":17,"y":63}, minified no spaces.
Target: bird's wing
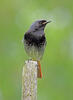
{"x":23,"y":37}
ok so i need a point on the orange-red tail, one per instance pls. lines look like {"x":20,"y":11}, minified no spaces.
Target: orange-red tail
{"x":39,"y":73}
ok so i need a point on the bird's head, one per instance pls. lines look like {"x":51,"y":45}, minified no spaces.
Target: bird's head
{"x":39,"y":25}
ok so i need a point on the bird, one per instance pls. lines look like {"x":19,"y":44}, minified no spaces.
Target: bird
{"x":35,"y":42}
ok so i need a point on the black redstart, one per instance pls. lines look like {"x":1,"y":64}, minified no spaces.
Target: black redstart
{"x":35,"y":42}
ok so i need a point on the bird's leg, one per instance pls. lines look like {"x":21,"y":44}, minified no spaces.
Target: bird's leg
{"x":39,"y":73}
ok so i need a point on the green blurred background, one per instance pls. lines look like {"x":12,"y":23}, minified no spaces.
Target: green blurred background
{"x":16,"y":16}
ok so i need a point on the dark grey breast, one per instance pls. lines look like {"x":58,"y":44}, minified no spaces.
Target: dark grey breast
{"x":32,"y":40}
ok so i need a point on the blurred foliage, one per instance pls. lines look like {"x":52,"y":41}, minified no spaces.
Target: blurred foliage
{"x":57,"y":64}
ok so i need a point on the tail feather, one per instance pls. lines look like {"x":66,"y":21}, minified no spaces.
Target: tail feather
{"x":39,"y":73}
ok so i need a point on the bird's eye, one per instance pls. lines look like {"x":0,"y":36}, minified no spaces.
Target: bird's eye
{"x":40,"y":22}
{"x":36,"y":29}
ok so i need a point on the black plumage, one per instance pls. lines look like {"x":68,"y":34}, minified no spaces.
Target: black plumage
{"x":32,"y":40}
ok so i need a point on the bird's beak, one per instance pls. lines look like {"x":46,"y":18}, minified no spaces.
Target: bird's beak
{"x":46,"y":22}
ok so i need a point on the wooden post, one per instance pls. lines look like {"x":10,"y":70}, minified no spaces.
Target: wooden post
{"x":29,"y":80}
